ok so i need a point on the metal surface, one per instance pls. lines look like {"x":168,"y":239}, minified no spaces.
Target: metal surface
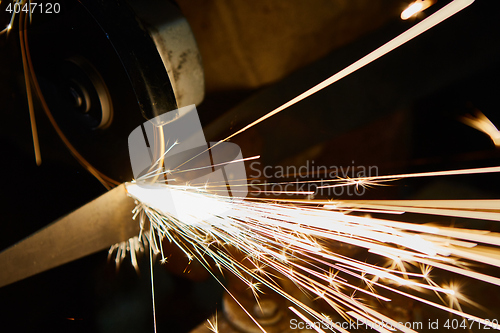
{"x":89,"y":94}
{"x":137,"y":53}
{"x":91,"y":228}
{"x":177,"y":47}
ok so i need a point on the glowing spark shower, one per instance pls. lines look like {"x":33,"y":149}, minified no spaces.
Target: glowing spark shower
{"x":292,"y":240}
{"x":296,"y":239}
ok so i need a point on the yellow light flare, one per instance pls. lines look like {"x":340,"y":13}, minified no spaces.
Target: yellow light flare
{"x":416,"y":7}
{"x":480,"y":122}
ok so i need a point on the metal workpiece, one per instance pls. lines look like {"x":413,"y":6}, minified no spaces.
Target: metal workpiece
{"x":104,"y":221}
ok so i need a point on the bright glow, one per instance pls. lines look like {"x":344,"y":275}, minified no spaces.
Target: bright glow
{"x":412,"y":10}
{"x":296,"y":239}
{"x":6,"y":29}
{"x":294,"y":242}
{"x":176,"y":202}
{"x":416,"y":7}
{"x":480,"y":122}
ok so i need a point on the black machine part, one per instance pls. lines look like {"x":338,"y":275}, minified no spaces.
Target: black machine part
{"x":106,"y":66}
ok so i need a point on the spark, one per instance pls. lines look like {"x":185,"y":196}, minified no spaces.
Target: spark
{"x":419,"y":175}
{"x":213,"y":326}
{"x":152,"y":285}
{"x":14,"y":14}
{"x":480,"y":122}
{"x":133,"y":246}
{"x":293,"y":241}
{"x":307,"y":320}
{"x":416,"y":7}
{"x":290,"y":240}
{"x":438,"y":17}
{"x":8,"y":28}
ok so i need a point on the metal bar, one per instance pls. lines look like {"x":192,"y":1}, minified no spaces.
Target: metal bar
{"x":99,"y":224}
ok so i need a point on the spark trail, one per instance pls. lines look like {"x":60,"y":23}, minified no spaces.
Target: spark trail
{"x":438,"y":17}
{"x":293,"y":240}
{"x":290,"y":239}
